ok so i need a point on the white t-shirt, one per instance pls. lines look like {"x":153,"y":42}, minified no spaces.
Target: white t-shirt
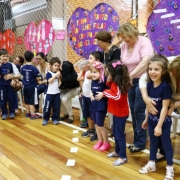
{"x":53,"y":88}
{"x":142,"y":81}
{"x":86,"y":87}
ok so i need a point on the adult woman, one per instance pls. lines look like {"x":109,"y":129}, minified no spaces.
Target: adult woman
{"x":110,"y":52}
{"x":135,"y":53}
{"x":69,"y":88}
{"x":43,"y":68}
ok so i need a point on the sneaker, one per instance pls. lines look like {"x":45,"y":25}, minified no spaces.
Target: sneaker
{"x":84,"y":124}
{"x":4,"y":117}
{"x":71,"y":119}
{"x":11,"y":116}
{"x":169,"y":175}
{"x":147,"y":168}
{"x":97,"y":145}
{"x":88,"y":133}
{"x":94,"y":137}
{"x":28,"y":115}
{"x":55,"y":122}
{"x":105,"y":146}
{"x":45,"y":122}
{"x":64,"y":117}
{"x":36,"y":116}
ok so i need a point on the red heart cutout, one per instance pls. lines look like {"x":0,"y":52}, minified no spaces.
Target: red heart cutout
{"x":7,"y":41}
{"x":39,"y":38}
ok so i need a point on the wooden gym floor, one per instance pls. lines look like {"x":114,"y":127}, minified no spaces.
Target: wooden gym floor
{"x":30,"y":151}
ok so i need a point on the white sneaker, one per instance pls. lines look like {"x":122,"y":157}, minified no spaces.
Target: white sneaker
{"x":147,"y":168}
{"x":169,"y":175}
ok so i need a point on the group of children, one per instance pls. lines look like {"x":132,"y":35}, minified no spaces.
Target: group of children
{"x":104,"y":89}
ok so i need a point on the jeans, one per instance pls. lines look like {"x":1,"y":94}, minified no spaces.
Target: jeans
{"x":137,"y":107}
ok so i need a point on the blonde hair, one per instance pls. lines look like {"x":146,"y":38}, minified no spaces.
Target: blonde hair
{"x":128,"y":29}
{"x":175,"y":64}
{"x":82,"y":63}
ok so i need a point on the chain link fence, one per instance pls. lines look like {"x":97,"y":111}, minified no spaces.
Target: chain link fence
{"x":15,"y":16}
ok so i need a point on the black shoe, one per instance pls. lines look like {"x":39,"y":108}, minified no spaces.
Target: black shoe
{"x":71,"y":119}
{"x":130,"y":146}
{"x":64,"y":117}
{"x":160,"y":159}
{"x":84,"y":125}
{"x":88,"y":133}
{"x":94,"y":137}
{"x":135,"y":149}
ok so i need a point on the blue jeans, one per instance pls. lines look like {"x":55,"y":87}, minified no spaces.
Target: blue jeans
{"x":137,"y":107}
{"x":119,"y":135}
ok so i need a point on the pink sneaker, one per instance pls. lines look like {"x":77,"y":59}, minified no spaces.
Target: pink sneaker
{"x":97,"y":145}
{"x":105,"y":147}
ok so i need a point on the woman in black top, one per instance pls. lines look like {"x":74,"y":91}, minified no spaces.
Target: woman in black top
{"x":69,"y":89}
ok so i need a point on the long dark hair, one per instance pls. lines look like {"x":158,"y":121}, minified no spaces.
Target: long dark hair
{"x":42,"y":56}
{"x":163,"y":62}
{"x":120,"y":75}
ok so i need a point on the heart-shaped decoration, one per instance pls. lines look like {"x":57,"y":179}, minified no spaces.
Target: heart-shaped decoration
{"x":7,"y":41}
{"x":83,"y":26}
{"x":163,"y":28}
{"x":39,"y":38}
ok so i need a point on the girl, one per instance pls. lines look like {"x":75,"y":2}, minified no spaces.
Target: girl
{"x":98,"y":108}
{"x":119,"y":83}
{"x":159,"y":125}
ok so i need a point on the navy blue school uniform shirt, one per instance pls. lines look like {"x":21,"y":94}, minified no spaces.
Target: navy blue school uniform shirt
{"x":30,"y":73}
{"x":158,"y":94}
{"x":100,"y":105}
{"x":5,"y":69}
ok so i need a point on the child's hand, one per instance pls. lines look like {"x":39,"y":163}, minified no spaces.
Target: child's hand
{"x":144,"y":124}
{"x":99,"y":96}
{"x":58,"y":74}
{"x":157,"y":131}
{"x":80,"y":94}
{"x":8,"y":77}
{"x":91,"y":96}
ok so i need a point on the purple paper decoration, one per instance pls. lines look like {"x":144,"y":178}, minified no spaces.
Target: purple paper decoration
{"x":163,"y":27}
{"x":83,"y":26}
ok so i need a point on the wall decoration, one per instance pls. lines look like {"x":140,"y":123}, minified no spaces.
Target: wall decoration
{"x":19,"y":40}
{"x":163,"y":27}
{"x":83,"y":26}
{"x":7,"y":41}
{"x":39,"y":38}
{"x":60,"y":35}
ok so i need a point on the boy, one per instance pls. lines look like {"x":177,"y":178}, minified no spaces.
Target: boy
{"x":52,"y":100}
{"x":30,"y":77}
{"x":6,"y":82}
{"x":86,"y":89}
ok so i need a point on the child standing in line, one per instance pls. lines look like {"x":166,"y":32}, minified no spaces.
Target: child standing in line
{"x":52,"y":100}
{"x":98,"y":108}
{"x":30,"y":77}
{"x":94,"y":56}
{"x":6,"y":82}
{"x":159,"y":125}
{"x":119,"y":82}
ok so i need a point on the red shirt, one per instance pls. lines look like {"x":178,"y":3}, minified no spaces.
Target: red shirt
{"x":117,"y":102}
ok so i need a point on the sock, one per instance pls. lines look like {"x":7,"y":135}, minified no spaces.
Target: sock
{"x":151,"y":163}
{"x":170,"y":168}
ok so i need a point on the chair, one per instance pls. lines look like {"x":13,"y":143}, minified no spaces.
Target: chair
{"x":175,"y":118}
{"x":20,"y":98}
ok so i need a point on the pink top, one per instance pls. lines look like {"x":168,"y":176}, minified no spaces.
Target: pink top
{"x":143,"y":47}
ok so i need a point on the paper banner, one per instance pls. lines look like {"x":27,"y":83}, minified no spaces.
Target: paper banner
{"x":7,"y":41}
{"x":163,"y":28}
{"x":39,"y":38}
{"x":83,"y":25}
{"x":60,"y":35}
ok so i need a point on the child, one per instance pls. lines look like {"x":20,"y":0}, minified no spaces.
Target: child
{"x":30,"y":77}
{"x":52,"y":100}
{"x":94,"y":56}
{"x":98,"y":108}
{"x":159,"y":125}
{"x":119,"y":82}
{"x":85,"y":86}
{"x":6,"y":82}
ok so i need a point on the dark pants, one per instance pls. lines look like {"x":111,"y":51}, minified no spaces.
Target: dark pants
{"x":40,"y":89}
{"x":6,"y":95}
{"x":119,"y":135}
{"x":166,"y":144}
{"x":52,"y":101}
{"x":15,"y":99}
{"x":98,"y":117}
{"x":137,"y":107}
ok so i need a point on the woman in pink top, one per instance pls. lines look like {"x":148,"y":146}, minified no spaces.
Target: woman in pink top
{"x":135,"y":53}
